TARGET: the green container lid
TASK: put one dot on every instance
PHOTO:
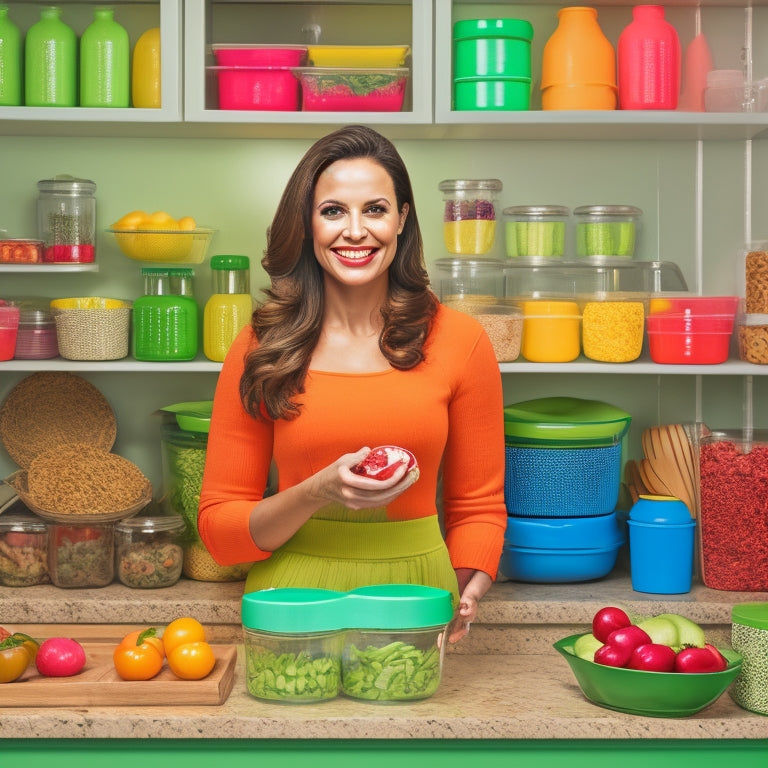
(193, 416)
(227, 262)
(292, 610)
(471, 28)
(558, 422)
(751, 615)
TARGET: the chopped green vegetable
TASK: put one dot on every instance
(289, 676)
(359, 84)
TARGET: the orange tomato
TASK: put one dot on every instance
(139, 656)
(181, 631)
(192, 661)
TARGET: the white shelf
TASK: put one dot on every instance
(50, 268)
(126, 365)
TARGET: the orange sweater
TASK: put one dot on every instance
(448, 411)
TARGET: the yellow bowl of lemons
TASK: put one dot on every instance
(158, 237)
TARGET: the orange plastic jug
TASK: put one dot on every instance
(578, 69)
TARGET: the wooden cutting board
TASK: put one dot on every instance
(99, 685)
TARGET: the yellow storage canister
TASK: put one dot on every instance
(551, 331)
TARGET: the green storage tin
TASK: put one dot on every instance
(497, 93)
(491, 48)
(749, 637)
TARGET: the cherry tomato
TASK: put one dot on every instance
(181, 631)
(139, 656)
(652, 657)
(60, 657)
(16, 653)
(608, 619)
(192, 661)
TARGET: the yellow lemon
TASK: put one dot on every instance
(159, 220)
(132, 220)
(187, 223)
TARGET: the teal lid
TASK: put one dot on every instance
(751, 615)
(564, 421)
(193, 416)
(230, 262)
(399, 606)
(470, 28)
(292, 610)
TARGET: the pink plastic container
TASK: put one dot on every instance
(9, 328)
(259, 55)
(261, 88)
(648, 61)
(338, 89)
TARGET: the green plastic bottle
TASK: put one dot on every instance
(50, 61)
(105, 51)
(11, 56)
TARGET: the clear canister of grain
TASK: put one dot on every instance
(612, 331)
(535, 231)
(469, 215)
(184, 436)
(475, 281)
(81, 555)
(752, 330)
(165, 318)
(606, 231)
(756, 280)
(551, 331)
(149, 551)
(23, 550)
(66, 219)
(749, 637)
(503, 323)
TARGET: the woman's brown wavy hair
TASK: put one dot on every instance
(288, 323)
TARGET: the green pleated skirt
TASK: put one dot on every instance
(343, 555)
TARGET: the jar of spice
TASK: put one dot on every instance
(81, 555)
(66, 219)
(749, 637)
(148, 551)
(23, 551)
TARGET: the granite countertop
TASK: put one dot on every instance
(504, 681)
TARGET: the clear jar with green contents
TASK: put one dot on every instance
(469, 215)
(535, 231)
(607, 231)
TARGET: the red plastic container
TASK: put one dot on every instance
(337, 89)
(9, 328)
(259, 55)
(688, 339)
(259, 88)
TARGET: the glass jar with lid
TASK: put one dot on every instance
(81, 555)
(66, 219)
(535, 231)
(149, 551)
(36, 338)
(23, 550)
(471, 281)
(606, 231)
(469, 215)
(165, 318)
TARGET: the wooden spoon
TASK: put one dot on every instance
(684, 449)
(652, 481)
(677, 451)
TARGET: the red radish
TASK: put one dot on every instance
(382, 462)
(60, 657)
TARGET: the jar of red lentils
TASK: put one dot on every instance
(733, 512)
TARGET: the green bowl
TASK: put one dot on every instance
(652, 694)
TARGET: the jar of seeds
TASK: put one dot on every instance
(66, 219)
(749, 637)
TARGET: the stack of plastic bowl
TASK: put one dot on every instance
(492, 64)
(561, 488)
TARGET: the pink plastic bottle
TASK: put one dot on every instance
(648, 61)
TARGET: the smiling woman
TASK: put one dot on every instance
(350, 349)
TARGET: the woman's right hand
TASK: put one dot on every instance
(338, 483)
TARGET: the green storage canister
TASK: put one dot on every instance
(492, 48)
(105, 53)
(50, 62)
(11, 60)
(749, 637)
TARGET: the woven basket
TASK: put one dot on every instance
(92, 328)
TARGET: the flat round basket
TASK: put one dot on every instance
(52, 409)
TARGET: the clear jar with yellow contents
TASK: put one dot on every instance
(469, 215)
(612, 330)
(551, 331)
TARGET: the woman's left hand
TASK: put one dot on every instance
(471, 594)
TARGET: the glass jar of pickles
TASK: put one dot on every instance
(469, 215)
(149, 551)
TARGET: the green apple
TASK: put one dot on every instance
(585, 646)
(674, 630)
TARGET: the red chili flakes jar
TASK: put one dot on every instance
(734, 511)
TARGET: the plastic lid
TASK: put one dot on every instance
(230, 262)
(493, 28)
(751, 615)
(193, 416)
(151, 524)
(170, 271)
(398, 606)
(64, 183)
(461, 185)
(537, 210)
(607, 210)
(468, 266)
(292, 610)
(660, 510)
(22, 524)
(565, 421)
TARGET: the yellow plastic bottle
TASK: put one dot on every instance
(229, 308)
(145, 72)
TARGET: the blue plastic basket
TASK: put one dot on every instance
(562, 482)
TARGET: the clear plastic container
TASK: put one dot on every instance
(535, 231)
(470, 281)
(23, 550)
(149, 551)
(612, 331)
(81, 555)
(752, 333)
(756, 279)
(606, 231)
(551, 331)
(469, 215)
(502, 322)
(66, 219)
(165, 318)
(36, 338)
